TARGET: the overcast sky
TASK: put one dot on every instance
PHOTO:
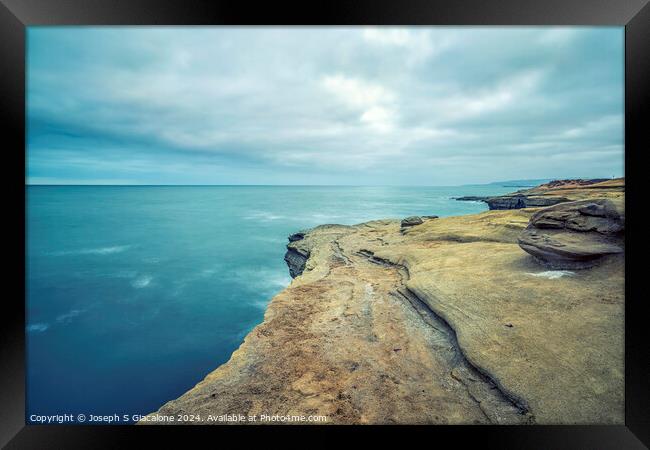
(409, 106)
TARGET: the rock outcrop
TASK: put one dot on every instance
(518, 201)
(572, 183)
(575, 235)
(515, 201)
(553, 193)
(471, 198)
(296, 256)
(411, 221)
(296, 261)
(450, 322)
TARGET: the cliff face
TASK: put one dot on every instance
(447, 321)
(555, 192)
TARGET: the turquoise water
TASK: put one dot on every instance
(134, 294)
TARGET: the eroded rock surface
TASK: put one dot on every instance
(446, 322)
(523, 201)
(554, 192)
(575, 235)
(411, 221)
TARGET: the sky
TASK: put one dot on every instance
(323, 105)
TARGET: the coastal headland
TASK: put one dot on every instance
(511, 316)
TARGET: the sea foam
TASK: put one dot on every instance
(94, 251)
(553, 274)
(67, 317)
(142, 282)
(38, 327)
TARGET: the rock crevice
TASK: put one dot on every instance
(431, 318)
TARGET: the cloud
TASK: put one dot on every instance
(323, 105)
(389, 36)
(357, 93)
(417, 44)
(512, 89)
(610, 124)
(379, 118)
(558, 36)
(372, 100)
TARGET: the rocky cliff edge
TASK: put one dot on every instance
(439, 320)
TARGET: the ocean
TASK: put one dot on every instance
(135, 293)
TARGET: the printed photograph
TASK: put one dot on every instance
(325, 225)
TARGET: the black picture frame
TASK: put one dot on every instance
(16, 15)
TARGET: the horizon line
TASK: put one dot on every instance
(261, 185)
(318, 185)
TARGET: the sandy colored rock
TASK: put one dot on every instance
(575, 235)
(555, 192)
(446, 322)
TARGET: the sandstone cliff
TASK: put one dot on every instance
(441, 321)
(555, 192)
